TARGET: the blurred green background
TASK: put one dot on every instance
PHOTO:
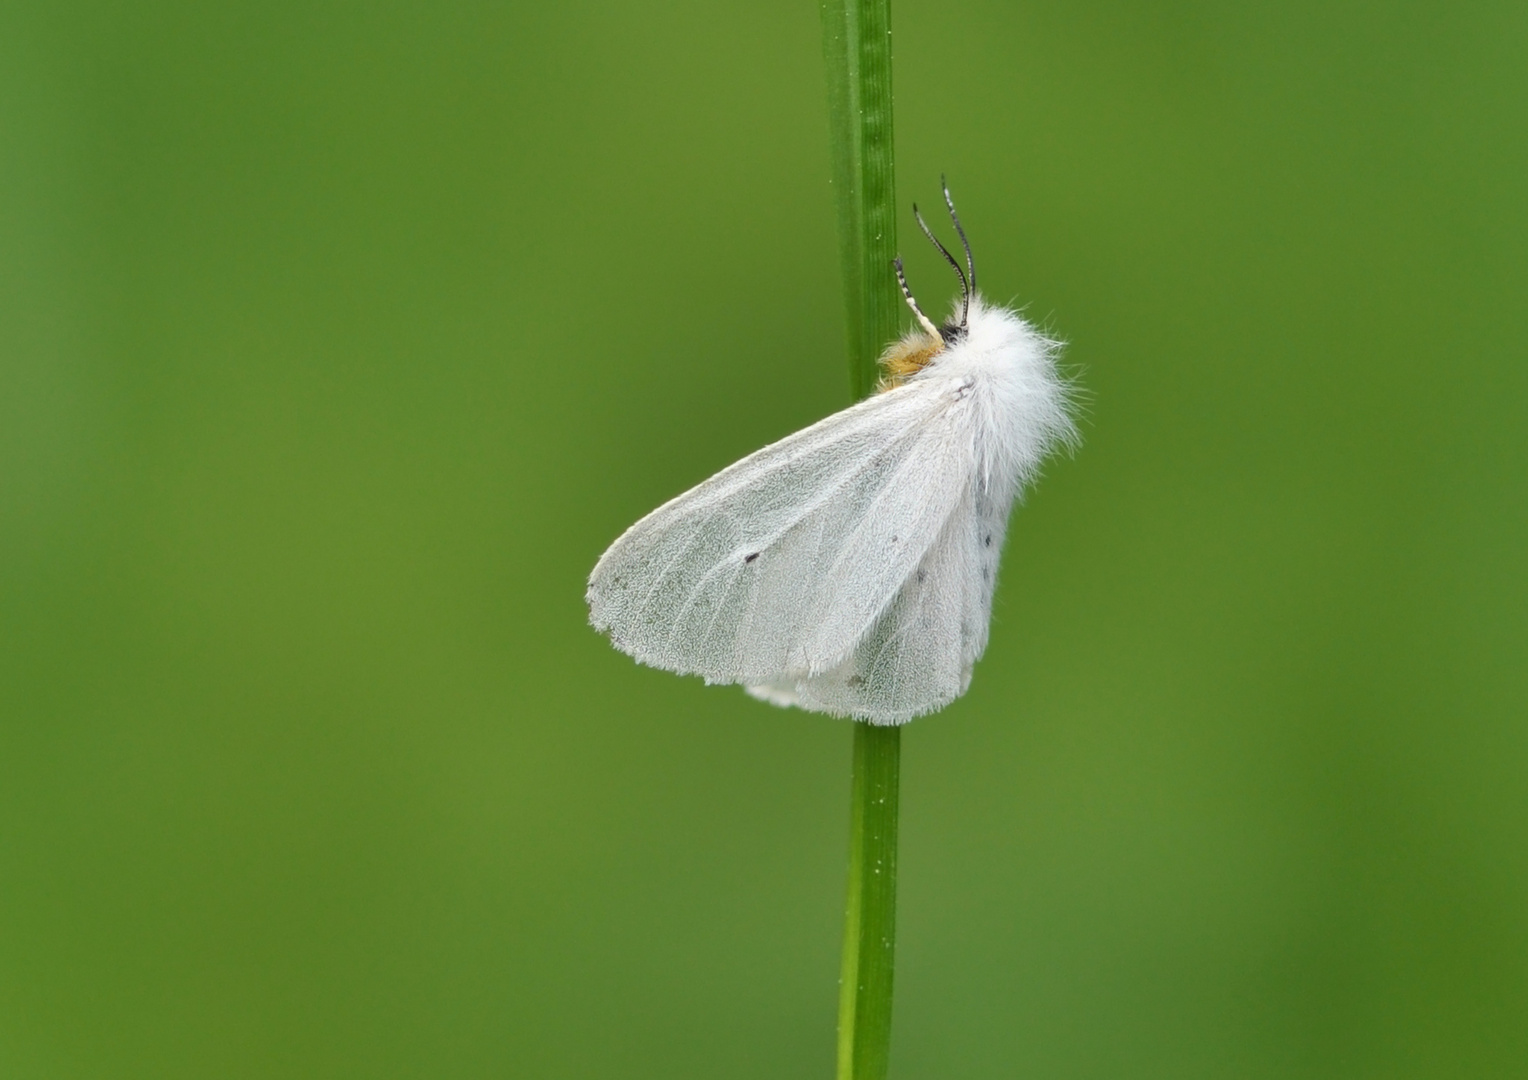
(338, 340)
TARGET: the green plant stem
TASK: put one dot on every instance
(870, 919)
(856, 36)
(856, 39)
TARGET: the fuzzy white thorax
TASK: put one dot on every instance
(1023, 405)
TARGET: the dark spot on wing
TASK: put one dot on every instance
(750, 558)
(987, 540)
(855, 680)
(921, 575)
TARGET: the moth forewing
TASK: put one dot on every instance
(781, 563)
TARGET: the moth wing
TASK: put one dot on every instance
(784, 560)
(918, 656)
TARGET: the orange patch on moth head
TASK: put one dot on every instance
(907, 357)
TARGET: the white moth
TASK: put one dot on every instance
(848, 568)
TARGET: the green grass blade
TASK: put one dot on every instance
(856, 39)
(870, 920)
(856, 36)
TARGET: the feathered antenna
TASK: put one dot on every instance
(965, 289)
(970, 263)
(926, 322)
(967, 276)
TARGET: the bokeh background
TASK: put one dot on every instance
(337, 340)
